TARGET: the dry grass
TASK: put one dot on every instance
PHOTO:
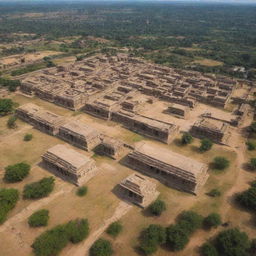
(208, 62)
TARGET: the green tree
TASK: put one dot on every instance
(28, 137)
(206, 145)
(16, 172)
(11, 122)
(101, 247)
(157, 207)
(214, 193)
(213, 220)
(114, 229)
(39, 218)
(190, 221)
(186, 138)
(6, 107)
(220, 163)
(81, 191)
(252, 127)
(208, 249)
(232, 242)
(251, 145)
(247, 199)
(253, 163)
(77, 230)
(39, 189)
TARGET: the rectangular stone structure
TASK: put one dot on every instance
(69, 164)
(172, 169)
(80, 135)
(138, 190)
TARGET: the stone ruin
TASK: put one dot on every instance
(172, 169)
(138, 190)
(217, 131)
(179, 111)
(69, 164)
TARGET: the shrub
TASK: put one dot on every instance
(214, 193)
(213, 220)
(16, 172)
(232, 242)
(82, 191)
(39, 218)
(177, 238)
(251, 145)
(206, 145)
(157, 207)
(248, 199)
(39, 189)
(77, 230)
(190, 221)
(253, 247)
(253, 183)
(114, 229)
(252, 127)
(101, 247)
(6, 106)
(28, 137)
(253, 163)
(8, 200)
(186, 138)
(11, 123)
(220, 163)
(208, 250)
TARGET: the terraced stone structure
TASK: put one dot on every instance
(69, 164)
(40, 118)
(80, 135)
(138, 190)
(172, 169)
(178, 111)
(214, 130)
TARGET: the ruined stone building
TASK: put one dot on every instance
(179, 111)
(214, 130)
(172, 169)
(80, 135)
(40, 118)
(138, 190)
(69, 164)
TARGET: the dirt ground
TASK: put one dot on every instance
(100, 205)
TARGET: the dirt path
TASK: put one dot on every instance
(83, 248)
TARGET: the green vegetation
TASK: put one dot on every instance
(253, 163)
(114, 229)
(52, 241)
(11, 123)
(16, 172)
(247, 198)
(220, 163)
(39, 218)
(208, 249)
(213, 220)
(251, 145)
(39, 189)
(6, 107)
(8, 200)
(28, 137)
(28, 68)
(214, 193)
(101, 247)
(11, 84)
(82, 191)
(157, 207)
(206, 145)
(186, 138)
(152, 237)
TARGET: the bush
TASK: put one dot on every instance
(77, 230)
(253, 247)
(39, 189)
(6, 106)
(232, 242)
(157, 207)
(177, 238)
(220, 163)
(251, 145)
(101, 247)
(51, 242)
(82, 191)
(253, 163)
(11, 123)
(39, 218)
(214, 193)
(247, 199)
(206, 145)
(208, 250)
(8, 200)
(114, 229)
(186, 138)
(16, 172)
(28, 137)
(252, 127)
(190, 221)
(213, 220)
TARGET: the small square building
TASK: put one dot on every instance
(69, 164)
